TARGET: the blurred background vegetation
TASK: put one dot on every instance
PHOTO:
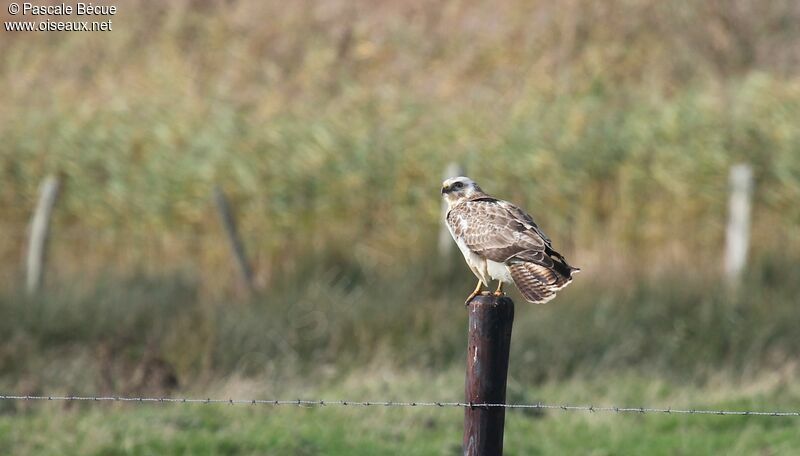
(329, 125)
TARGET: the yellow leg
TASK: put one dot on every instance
(499, 290)
(474, 293)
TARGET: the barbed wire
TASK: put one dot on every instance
(345, 403)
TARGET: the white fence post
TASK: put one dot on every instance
(39, 232)
(737, 237)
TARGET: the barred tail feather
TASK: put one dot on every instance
(537, 283)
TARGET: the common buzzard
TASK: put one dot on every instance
(502, 242)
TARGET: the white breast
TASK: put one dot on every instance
(476, 264)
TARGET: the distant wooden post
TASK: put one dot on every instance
(737, 237)
(490, 321)
(234, 241)
(446, 243)
(39, 233)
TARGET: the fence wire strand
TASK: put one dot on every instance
(345, 403)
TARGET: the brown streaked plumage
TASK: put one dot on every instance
(502, 242)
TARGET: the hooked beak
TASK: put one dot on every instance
(444, 190)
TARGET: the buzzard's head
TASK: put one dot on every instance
(459, 188)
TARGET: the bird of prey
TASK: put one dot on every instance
(502, 242)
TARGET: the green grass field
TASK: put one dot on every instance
(121, 429)
(649, 344)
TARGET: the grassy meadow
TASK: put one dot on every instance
(329, 125)
(655, 344)
(55, 429)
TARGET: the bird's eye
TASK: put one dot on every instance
(458, 185)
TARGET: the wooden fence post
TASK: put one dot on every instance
(234, 241)
(39, 233)
(490, 321)
(737, 236)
